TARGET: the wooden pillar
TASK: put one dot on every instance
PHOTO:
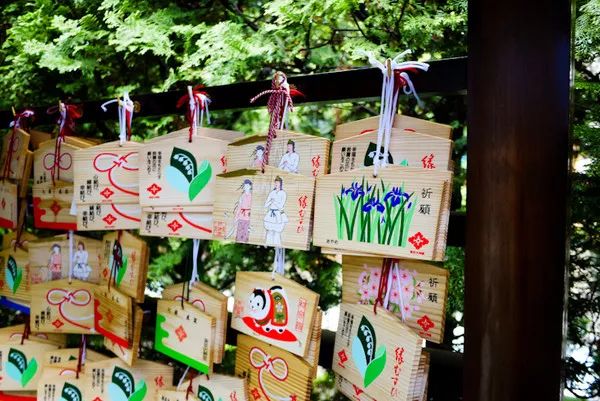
(518, 148)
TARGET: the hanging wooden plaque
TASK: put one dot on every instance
(21, 365)
(419, 289)
(113, 380)
(292, 152)
(131, 276)
(129, 354)
(52, 207)
(15, 274)
(273, 208)
(8, 205)
(45, 161)
(410, 149)
(107, 173)
(376, 353)
(272, 373)
(18, 148)
(113, 315)
(13, 335)
(401, 122)
(60, 307)
(113, 216)
(275, 309)
(314, 348)
(402, 213)
(176, 172)
(212, 388)
(183, 224)
(209, 301)
(185, 334)
(49, 259)
(60, 384)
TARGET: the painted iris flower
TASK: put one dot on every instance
(373, 203)
(396, 196)
(355, 191)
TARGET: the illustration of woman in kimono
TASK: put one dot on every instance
(81, 268)
(275, 218)
(289, 161)
(55, 262)
(258, 156)
(242, 213)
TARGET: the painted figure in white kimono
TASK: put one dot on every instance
(289, 161)
(275, 218)
(81, 268)
(258, 156)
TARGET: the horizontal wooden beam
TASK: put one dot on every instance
(447, 76)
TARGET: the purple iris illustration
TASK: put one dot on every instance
(355, 191)
(396, 195)
(373, 203)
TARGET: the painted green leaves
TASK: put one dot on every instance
(369, 360)
(186, 175)
(19, 369)
(123, 388)
(13, 274)
(70, 393)
(205, 394)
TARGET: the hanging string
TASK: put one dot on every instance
(383, 283)
(15, 124)
(68, 113)
(194, 277)
(394, 272)
(190, 389)
(280, 101)
(82, 354)
(125, 109)
(26, 331)
(117, 262)
(70, 235)
(395, 76)
(197, 104)
(278, 262)
(187, 368)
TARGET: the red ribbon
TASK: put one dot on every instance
(383, 282)
(190, 114)
(68, 113)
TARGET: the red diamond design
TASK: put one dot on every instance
(255, 393)
(57, 323)
(159, 381)
(181, 334)
(97, 399)
(107, 192)
(343, 358)
(3, 203)
(425, 322)
(154, 189)
(174, 225)
(105, 272)
(109, 219)
(55, 207)
(418, 240)
(109, 316)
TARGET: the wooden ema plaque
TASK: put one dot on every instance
(8, 204)
(402, 213)
(112, 380)
(176, 172)
(60, 384)
(113, 315)
(292, 152)
(13, 335)
(212, 388)
(401, 122)
(129, 354)
(19, 149)
(209, 301)
(15, 274)
(52, 199)
(376, 353)
(186, 334)
(418, 288)
(273, 208)
(272, 373)
(275, 309)
(410, 149)
(314, 348)
(113, 216)
(60, 307)
(131, 276)
(182, 224)
(21, 365)
(49, 259)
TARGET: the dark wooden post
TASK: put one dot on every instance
(518, 116)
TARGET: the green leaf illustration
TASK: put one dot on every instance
(204, 394)
(140, 392)
(185, 162)
(366, 335)
(14, 274)
(18, 359)
(376, 367)
(124, 380)
(121, 272)
(200, 180)
(30, 372)
(70, 393)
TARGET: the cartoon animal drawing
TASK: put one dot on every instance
(269, 308)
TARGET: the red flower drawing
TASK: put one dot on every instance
(418, 240)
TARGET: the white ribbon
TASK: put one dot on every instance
(198, 103)
(24, 114)
(278, 262)
(62, 110)
(124, 106)
(187, 368)
(195, 276)
(71, 232)
(389, 100)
